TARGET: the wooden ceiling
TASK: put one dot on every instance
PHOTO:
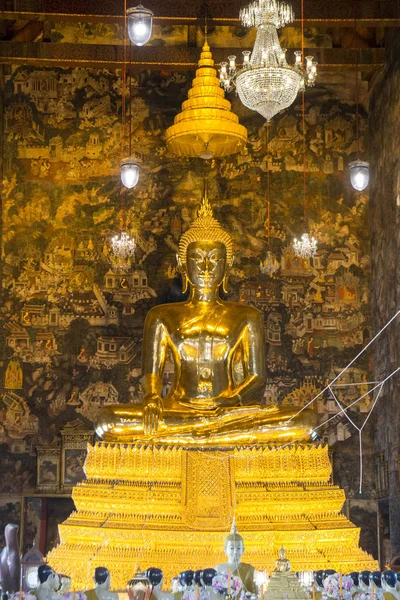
(25, 31)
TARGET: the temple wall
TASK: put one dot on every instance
(385, 291)
(72, 329)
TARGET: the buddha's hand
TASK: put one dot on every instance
(152, 411)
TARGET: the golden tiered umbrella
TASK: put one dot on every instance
(206, 127)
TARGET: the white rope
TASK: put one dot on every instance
(359, 429)
(348, 366)
(376, 385)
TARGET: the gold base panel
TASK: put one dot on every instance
(170, 507)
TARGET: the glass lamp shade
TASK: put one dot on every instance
(129, 172)
(139, 587)
(30, 563)
(359, 174)
(140, 24)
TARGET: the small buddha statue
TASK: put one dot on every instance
(375, 580)
(390, 585)
(102, 584)
(356, 582)
(206, 578)
(156, 578)
(282, 564)
(209, 403)
(319, 580)
(364, 581)
(49, 583)
(284, 583)
(185, 582)
(234, 550)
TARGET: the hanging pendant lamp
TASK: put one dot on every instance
(359, 169)
(206, 127)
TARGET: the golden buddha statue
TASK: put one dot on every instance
(283, 583)
(282, 564)
(210, 341)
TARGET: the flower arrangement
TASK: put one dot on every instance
(23, 595)
(70, 596)
(190, 594)
(220, 585)
(332, 586)
(368, 596)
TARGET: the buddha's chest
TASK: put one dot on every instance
(210, 344)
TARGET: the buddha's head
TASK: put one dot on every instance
(356, 578)
(364, 580)
(155, 576)
(102, 577)
(389, 580)
(47, 577)
(375, 578)
(205, 251)
(186, 578)
(207, 575)
(234, 545)
(282, 553)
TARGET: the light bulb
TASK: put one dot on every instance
(232, 62)
(298, 54)
(129, 172)
(246, 57)
(359, 174)
(140, 23)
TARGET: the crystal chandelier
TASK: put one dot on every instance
(267, 83)
(306, 247)
(269, 265)
(122, 251)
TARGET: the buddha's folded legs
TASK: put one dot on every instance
(241, 425)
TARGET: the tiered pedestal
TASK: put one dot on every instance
(171, 508)
(285, 586)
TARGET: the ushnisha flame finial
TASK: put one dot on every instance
(234, 529)
(205, 209)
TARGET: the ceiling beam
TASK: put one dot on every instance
(333, 13)
(173, 58)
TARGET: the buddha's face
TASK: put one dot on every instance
(205, 264)
(234, 550)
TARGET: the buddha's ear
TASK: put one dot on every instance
(182, 271)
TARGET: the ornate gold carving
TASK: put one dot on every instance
(172, 507)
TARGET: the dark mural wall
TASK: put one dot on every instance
(72, 327)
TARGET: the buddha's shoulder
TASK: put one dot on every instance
(246, 566)
(244, 309)
(160, 310)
